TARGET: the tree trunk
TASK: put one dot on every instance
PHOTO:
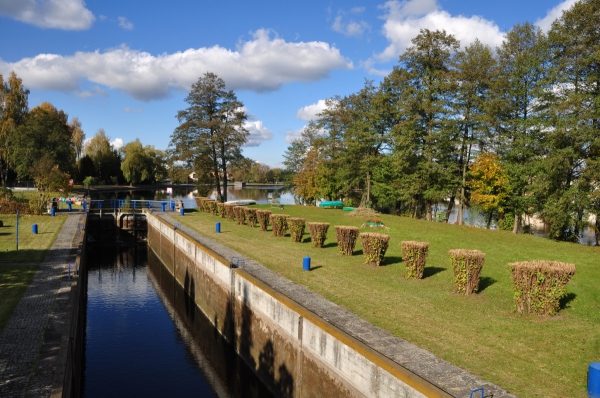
(450, 207)
(368, 187)
(428, 210)
(597, 229)
(517, 224)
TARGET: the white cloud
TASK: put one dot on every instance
(117, 143)
(350, 28)
(554, 13)
(262, 64)
(95, 91)
(310, 112)
(125, 23)
(404, 20)
(291, 136)
(55, 14)
(132, 110)
(258, 133)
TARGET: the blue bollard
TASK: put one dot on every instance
(148, 204)
(52, 211)
(181, 211)
(218, 227)
(306, 264)
(100, 205)
(69, 204)
(163, 204)
(172, 206)
(34, 229)
(594, 380)
(83, 204)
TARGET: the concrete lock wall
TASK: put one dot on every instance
(295, 352)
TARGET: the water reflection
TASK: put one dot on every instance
(144, 339)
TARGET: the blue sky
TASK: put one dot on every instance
(126, 66)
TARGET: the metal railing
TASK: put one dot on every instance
(131, 205)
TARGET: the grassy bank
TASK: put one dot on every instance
(17, 268)
(530, 356)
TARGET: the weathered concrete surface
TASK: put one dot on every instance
(30, 345)
(299, 342)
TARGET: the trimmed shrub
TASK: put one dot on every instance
(250, 215)
(318, 232)
(200, 203)
(279, 224)
(11, 207)
(263, 218)
(346, 238)
(296, 227)
(374, 247)
(240, 217)
(467, 265)
(230, 211)
(539, 285)
(414, 255)
(221, 209)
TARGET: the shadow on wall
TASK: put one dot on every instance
(281, 381)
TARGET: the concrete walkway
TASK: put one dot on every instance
(27, 348)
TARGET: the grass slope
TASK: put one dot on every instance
(17, 268)
(529, 356)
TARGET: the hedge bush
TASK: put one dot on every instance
(263, 218)
(11, 207)
(221, 210)
(539, 285)
(414, 255)
(374, 247)
(200, 203)
(467, 265)
(240, 216)
(230, 211)
(296, 227)
(346, 238)
(279, 224)
(318, 233)
(250, 215)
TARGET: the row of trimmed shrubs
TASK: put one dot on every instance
(539, 285)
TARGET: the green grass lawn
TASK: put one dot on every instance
(528, 355)
(18, 267)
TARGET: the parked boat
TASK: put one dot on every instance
(332, 204)
(241, 202)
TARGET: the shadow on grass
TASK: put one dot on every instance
(566, 300)
(315, 267)
(390, 260)
(485, 282)
(330, 244)
(431, 271)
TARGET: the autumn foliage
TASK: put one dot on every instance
(279, 224)
(263, 218)
(296, 227)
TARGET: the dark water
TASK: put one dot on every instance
(146, 338)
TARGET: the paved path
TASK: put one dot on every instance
(26, 369)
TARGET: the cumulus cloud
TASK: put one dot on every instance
(404, 20)
(554, 13)
(117, 143)
(125, 23)
(95, 91)
(294, 135)
(310, 112)
(262, 64)
(132, 110)
(258, 133)
(54, 14)
(350, 27)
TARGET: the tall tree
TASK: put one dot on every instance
(568, 176)
(77, 137)
(522, 66)
(13, 110)
(136, 165)
(210, 134)
(474, 69)
(45, 131)
(107, 162)
(423, 133)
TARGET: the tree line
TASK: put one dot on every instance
(512, 131)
